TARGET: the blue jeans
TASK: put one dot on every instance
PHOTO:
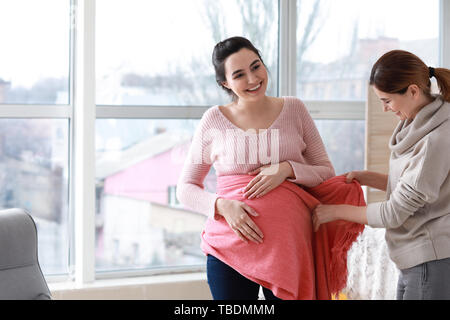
(426, 281)
(226, 283)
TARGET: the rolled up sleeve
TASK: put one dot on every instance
(373, 215)
(419, 185)
(404, 201)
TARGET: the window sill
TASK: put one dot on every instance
(186, 286)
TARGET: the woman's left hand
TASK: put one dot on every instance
(267, 178)
(327, 213)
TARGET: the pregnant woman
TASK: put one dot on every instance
(266, 151)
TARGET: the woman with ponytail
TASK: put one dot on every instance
(416, 212)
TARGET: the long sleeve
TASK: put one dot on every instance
(317, 167)
(190, 189)
(419, 185)
(218, 141)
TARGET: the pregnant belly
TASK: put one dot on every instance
(283, 218)
(284, 262)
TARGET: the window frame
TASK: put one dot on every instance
(82, 112)
(348, 110)
(56, 111)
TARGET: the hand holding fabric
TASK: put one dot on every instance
(327, 213)
(368, 178)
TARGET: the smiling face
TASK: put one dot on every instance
(246, 75)
(406, 105)
(393, 102)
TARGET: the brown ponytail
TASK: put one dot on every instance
(442, 76)
(396, 70)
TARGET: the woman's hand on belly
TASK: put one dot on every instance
(267, 178)
(236, 213)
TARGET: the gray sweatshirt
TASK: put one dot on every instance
(416, 214)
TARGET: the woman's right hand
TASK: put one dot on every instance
(357, 175)
(368, 178)
(236, 213)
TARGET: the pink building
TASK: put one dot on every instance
(139, 220)
(149, 171)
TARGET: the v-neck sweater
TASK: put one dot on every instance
(217, 142)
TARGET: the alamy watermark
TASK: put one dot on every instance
(235, 147)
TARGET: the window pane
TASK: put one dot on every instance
(34, 57)
(140, 223)
(344, 141)
(160, 52)
(339, 41)
(34, 176)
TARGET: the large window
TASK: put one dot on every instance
(160, 52)
(337, 44)
(339, 41)
(34, 176)
(344, 141)
(160, 55)
(153, 81)
(140, 223)
(34, 58)
(35, 121)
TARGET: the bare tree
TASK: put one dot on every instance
(258, 23)
(307, 34)
(214, 19)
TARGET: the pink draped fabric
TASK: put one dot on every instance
(293, 261)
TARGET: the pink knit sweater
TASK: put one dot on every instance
(217, 142)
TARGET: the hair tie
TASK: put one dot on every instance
(431, 71)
